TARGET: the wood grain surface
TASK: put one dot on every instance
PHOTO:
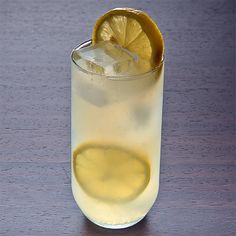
(198, 166)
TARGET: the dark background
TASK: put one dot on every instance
(198, 166)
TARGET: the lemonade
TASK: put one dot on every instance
(116, 119)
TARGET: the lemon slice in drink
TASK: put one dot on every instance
(110, 173)
(134, 30)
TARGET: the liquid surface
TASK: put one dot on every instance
(110, 173)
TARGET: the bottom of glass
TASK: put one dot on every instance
(116, 226)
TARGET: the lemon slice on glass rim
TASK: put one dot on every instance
(133, 30)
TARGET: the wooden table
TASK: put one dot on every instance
(198, 175)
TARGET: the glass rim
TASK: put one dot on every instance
(113, 77)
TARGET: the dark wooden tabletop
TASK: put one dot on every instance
(198, 166)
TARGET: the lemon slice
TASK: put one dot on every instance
(134, 30)
(110, 173)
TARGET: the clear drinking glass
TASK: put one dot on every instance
(116, 143)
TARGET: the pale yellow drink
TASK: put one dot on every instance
(116, 140)
(117, 92)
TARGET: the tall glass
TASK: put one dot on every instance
(116, 143)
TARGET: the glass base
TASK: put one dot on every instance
(116, 226)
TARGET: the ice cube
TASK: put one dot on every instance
(106, 58)
(141, 114)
